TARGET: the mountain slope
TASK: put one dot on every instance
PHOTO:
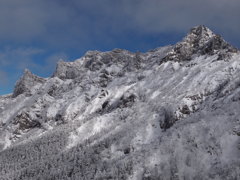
(170, 113)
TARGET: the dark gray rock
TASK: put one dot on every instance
(26, 83)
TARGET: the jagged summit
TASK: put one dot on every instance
(26, 83)
(199, 35)
(200, 41)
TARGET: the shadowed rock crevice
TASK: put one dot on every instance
(25, 122)
(125, 101)
(166, 118)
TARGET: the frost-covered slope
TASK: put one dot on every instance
(170, 113)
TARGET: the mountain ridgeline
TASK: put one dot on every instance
(171, 113)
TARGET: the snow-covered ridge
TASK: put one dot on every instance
(202, 41)
(26, 83)
(170, 113)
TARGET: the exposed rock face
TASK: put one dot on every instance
(26, 83)
(170, 113)
(200, 40)
(25, 121)
(66, 70)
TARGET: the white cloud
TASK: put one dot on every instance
(18, 58)
(21, 58)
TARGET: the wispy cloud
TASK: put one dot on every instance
(14, 60)
(18, 58)
(21, 58)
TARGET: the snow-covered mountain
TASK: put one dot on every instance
(170, 113)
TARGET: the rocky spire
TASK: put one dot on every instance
(26, 83)
(198, 36)
(200, 40)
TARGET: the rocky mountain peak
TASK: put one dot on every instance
(26, 83)
(201, 29)
(198, 36)
(201, 41)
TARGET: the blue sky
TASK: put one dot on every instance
(35, 34)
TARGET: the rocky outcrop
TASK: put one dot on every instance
(25, 122)
(66, 70)
(199, 41)
(26, 83)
